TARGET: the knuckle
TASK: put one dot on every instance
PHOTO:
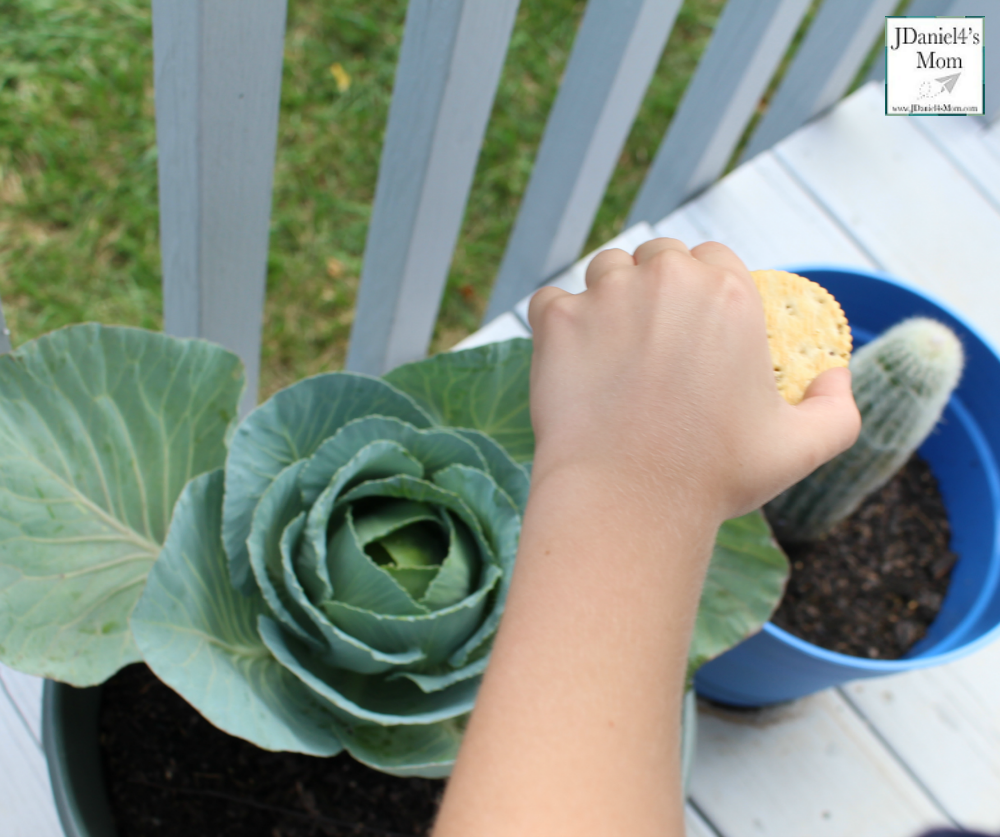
(613, 281)
(612, 254)
(668, 261)
(709, 247)
(657, 245)
(619, 276)
(536, 307)
(735, 283)
(551, 311)
(736, 288)
(604, 262)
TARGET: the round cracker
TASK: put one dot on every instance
(807, 331)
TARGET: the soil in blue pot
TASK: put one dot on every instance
(170, 773)
(873, 585)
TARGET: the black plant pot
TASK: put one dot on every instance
(70, 739)
(70, 730)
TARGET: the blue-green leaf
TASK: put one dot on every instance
(417, 546)
(493, 508)
(414, 580)
(100, 428)
(407, 488)
(502, 525)
(290, 427)
(376, 460)
(485, 388)
(427, 751)
(360, 582)
(355, 697)
(281, 507)
(435, 448)
(435, 682)
(455, 578)
(390, 516)
(200, 637)
(746, 579)
(511, 477)
(337, 648)
(437, 634)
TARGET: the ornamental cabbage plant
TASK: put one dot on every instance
(335, 566)
(350, 565)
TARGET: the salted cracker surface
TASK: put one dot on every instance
(807, 331)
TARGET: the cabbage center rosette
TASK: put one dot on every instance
(341, 584)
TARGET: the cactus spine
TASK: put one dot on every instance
(901, 381)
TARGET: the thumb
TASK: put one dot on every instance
(827, 421)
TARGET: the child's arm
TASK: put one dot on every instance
(656, 418)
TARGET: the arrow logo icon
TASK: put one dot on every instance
(948, 82)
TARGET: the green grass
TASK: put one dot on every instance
(78, 214)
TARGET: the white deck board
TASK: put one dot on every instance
(812, 768)
(905, 203)
(992, 137)
(695, 825)
(944, 723)
(963, 142)
(26, 806)
(767, 219)
(503, 327)
(25, 693)
(680, 225)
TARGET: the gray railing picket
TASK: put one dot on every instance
(218, 81)
(833, 51)
(614, 56)
(218, 84)
(449, 66)
(750, 39)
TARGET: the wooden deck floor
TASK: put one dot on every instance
(919, 198)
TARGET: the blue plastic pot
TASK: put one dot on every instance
(962, 451)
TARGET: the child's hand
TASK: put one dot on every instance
(657, 384)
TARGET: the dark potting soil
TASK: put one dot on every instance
(170, 773)
(874, 584)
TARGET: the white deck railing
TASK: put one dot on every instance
(218, 80)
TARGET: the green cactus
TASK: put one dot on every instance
(902, 381)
